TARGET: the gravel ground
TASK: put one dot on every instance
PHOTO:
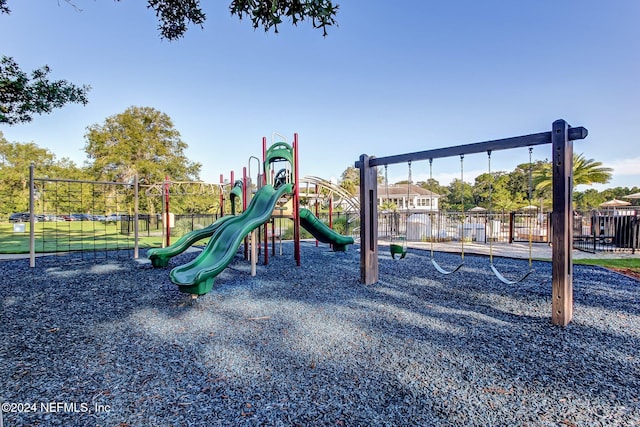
(114, 343)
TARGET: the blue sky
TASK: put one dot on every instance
(393, 77)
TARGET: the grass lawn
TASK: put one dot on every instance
(94, 235)
(630, 266)
(70, 236)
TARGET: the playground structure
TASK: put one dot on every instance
(102, 220)
(560, 137)
(274, 191)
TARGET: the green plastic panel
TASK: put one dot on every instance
(322, 232)
(160, 256)
(197, 276)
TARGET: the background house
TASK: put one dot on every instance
(413, 198)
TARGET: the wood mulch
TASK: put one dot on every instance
(631, 272)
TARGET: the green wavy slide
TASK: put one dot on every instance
(322, 232)
(197, 277)
(160, 256)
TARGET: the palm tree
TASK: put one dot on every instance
(585, 171)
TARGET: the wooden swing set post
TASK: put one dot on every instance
(368, 221)
(561, 138)
(562, 225)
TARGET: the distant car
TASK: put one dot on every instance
(81, 217)
(113, 218)
(51, 217)
(101, 218)
(20, 217)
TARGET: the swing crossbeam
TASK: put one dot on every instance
(542, 138)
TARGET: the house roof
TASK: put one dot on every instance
(401, 190)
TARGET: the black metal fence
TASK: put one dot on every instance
(153, 225)
(610, 230)
(594, 231)
(477, 226)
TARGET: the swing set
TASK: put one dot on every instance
(560, 137)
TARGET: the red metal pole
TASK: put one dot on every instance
(273, 236)
(244, 188)
(316, 208)
(233, 208)
(244, 204)
(221, 195)
(264, 158)
(331, 212)
(264, 174)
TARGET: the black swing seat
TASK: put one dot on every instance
(442, 270)
(396, 249)
(507, 281)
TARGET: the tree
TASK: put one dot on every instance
(460, 195)
(175, 16)
(483, 189)
(15, 160)
(588, 199)
(350, 180)
(269, 13)
(14, 172)
(22, 95)
(585, 171)
(141, 141)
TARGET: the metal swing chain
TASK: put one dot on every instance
(406, 219)
(530, 198)
(431, 238)
(386, 183)
(409, 186)
(490, 210)
(462, 205)
(493, 268)
(386, 186)
(433, 260)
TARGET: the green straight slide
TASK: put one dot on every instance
(196, 277)
(160, 256)
(322, 232)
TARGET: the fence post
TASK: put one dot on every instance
(634, 230)
(594, 223)
(512, 220)
(136, 216)
(32, 216)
